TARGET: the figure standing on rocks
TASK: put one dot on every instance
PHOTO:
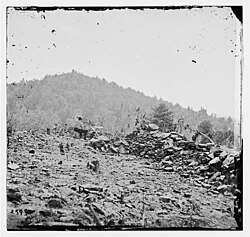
(180, 125)
(80, 128)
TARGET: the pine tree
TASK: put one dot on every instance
(162, 117)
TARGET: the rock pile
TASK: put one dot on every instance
(211, 166)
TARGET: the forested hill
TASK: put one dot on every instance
(58, 98)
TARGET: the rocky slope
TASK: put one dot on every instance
(147, 180)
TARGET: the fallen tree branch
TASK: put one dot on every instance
(226, 140)
(204, 135)
(98, 222)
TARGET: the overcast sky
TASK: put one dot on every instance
(190, 57)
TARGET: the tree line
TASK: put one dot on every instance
(57, 99)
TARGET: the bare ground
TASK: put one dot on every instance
(50, 190)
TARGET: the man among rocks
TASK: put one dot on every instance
(81, 128)
(180, 125)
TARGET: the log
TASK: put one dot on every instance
(206, 137)
(98, 222)
(226, 140)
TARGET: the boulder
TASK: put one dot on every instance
(175, 136)
(228, 161)
(162, 135)
(222, 188)
(113, 149)
(223, 155)
(93, 140)
(222, 178)
(175, 148)
(166, 164)
(214, 161)
(211, 155)
(217, 153)
(55, 203)
(152, 126)
(187, 195)
(103, 138)
(169, 169)
(13, 166)
(205, 185)
(202, 145)
(217, 174)
(193, 163)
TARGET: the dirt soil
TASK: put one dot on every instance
(47, 190)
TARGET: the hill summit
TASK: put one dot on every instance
(58, 98)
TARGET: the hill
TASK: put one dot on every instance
(58, 98)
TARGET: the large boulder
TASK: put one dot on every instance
(55, 203)
(162, 135)
(228, 161)
(103, 138)
(153, 127)
(215, 161)
(222, 188)
(223, 155)
(94, 140)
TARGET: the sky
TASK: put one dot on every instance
(191, 57)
